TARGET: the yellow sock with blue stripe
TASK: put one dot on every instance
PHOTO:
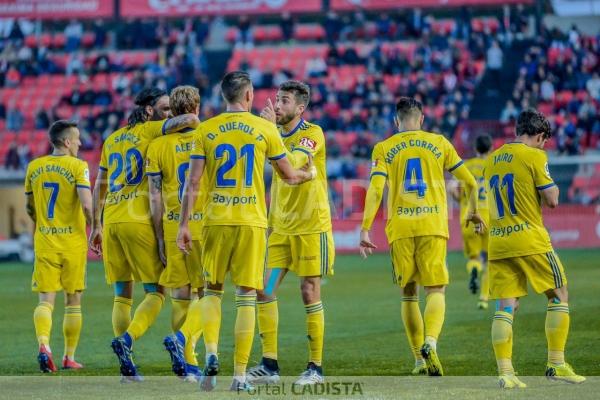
(315, 328)
(72, 329)
(435, 310)
(413, 325)
(192, 330)
(502, 341)
(244, 331)
(210, 306)
(180, 309)
(121, 315)
(42, 320)
(145, 314)
(474, 264)
(268, 321)
(557, 330)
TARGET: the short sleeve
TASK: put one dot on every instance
(154, 129)
(451, 158)
(152, 161)
(541, 173)
(28, 189)
(310, 142)
(198, 148)
(275, 148)
(103, 159)
(378, 164)
(82, 179)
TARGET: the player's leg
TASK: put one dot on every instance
(245, 322)
(122, 302)
(72, 329)
(485, 283)
(146, 312)
(180, 303)
(42, 320)
(472, 247)
(413, 325)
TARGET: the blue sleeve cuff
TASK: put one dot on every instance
(303, 150)
(279, 157)
(545, 186)
(153, 173)
(197, 157)
(103, 168)
(379, 173)
(82, 186)
(456, 166)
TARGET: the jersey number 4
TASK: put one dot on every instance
(508, 183)
(413, 177)
(247, 152)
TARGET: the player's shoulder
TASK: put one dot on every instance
(307, 128)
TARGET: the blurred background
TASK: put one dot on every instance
(473, 64)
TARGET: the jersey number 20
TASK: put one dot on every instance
(134, 168)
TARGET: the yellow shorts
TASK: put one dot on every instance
(306, 255)
(239, 250)
(182, 269)
(131, 253)
(474, 244)
(53, 272)
(421, 259)
(509, 276)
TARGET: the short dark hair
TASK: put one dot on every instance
(408, 107)
(233, 84)
(57, 131)
(483, 143)
(146, 97)
(300, 90)
(532, 122)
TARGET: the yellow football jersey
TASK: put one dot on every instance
(53, 182)
(235, 146)
(413, 163)
(123, 155)
(169, 157)
(475, 166)
(513, 175)
(302, 209)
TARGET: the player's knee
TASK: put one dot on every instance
(73, 299)
(123, 289)
(435, 289)
(245, 290)
(411, 289)
(560, 295)
(261, 295)
(152, 288)
(181, 293)
(310, 291)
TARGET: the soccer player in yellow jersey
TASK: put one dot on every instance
(231, 150)
(518, 184)
(475, 244)
(301, 240)
(121, 204)
(412, 163)
(167, 165)
(59, 202)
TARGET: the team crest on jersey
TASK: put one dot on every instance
(547, 170)
(307, 142)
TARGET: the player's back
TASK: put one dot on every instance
(53, 182)
(236, 146)
(513, 174)
(414, 163)
(302, 209)
(475, 166)
(169, 157)
(123, 158)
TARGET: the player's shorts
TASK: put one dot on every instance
(53, 272)
(420, 259)
(509, 276)
(131, 253)
(182, 269)
(474, 244)
(306, 255)
(239, 250)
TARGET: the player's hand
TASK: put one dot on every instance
(480, 226)
(184, 239)
(366, 245)
(95, 241)
(268, 112)
(161, 252)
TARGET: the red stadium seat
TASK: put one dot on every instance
(31, 41)
(59, 41)
(88, 39)
(231, 34)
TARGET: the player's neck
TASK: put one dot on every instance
(287, 128)
(236, 107)
(526, 140)
(60, 152)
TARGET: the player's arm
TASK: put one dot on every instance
(156, 212)
(456, 190)
(85, 198)
(98, 200)
(550, 196)
(469, 185)
(293, 176)
(379, 174)
(543, 181)
(179, 122)
(188, 201)
(30, 207)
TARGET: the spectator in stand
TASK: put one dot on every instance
(14, 118)
(593, 86)
(75, 64)
(25, 155)
(287, 26)
(509, 113)
(332, 27)
(2, 111)
(73, 35)
(11, 160)
(100, 33)
(42, 121)
(202, 29)
(315, 68)
(245, 36)
(103, 97)
(581, 197)
(13, 77)
(416, 22)
(495, 63)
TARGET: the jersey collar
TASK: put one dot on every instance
(293, 130)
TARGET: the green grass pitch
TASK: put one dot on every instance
(364, 333)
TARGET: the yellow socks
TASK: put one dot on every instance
(180, 309)
(121, 315)
(435, 308)
(315, 327)
(42, 319)
(485, 286)
(502, 341)
(192, 329)
(145, 314)
(413, 325)
(210, 306)
(71, 329)
(473, 264)
(244, 331)
(557, 330)
(268, 321)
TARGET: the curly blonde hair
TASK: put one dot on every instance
(184, 99)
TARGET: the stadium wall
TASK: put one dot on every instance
(13, 217)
